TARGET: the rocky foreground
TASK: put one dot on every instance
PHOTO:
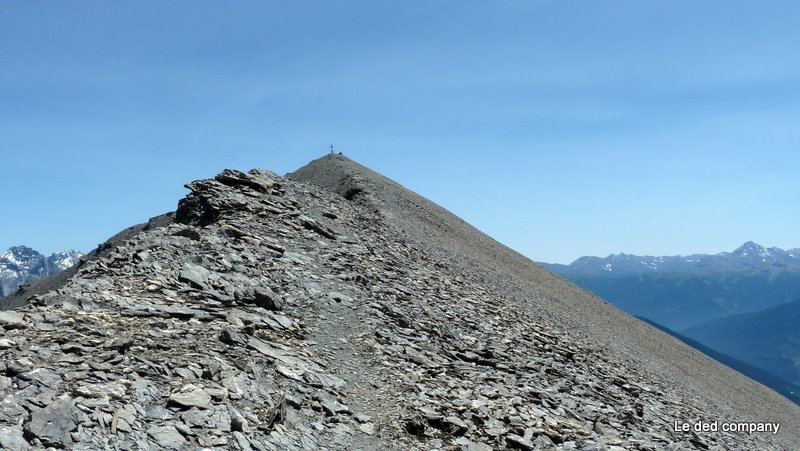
(272, 314)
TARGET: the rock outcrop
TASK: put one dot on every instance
(346, 313)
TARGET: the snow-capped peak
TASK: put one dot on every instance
(20, 256)
(753, 251)
(64, 260)
(21, 264)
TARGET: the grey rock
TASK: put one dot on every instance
(52, 424)
(159, 413)
(184, 313)
(478, 447)
(191, 396)
(238, 421)
(167, 437)
(333, 407)
(195, 417)
(544, 442)
(263, 297)
(262, 182)
(454, 425)
(316, 227)
(43, 376)
(518, 442)
(241, 441)
(11, 439)
(362, 418)
(12, 320)
(188, 232)
(102, 390)
(232, 338)
(18, 366)
(195, 275)
(440, 337)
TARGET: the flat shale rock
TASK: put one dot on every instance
(191, 396)
(194, 275)
(52, 425)
(277, 315)
(102, 390)
(12, 320)
(167, 437)
(11, 439)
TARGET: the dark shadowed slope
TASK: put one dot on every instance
(769, 338)
(784, 387)
(546, 297)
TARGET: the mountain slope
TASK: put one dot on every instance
(347, 314)
(536, 292)
(769, 339)
(20, 265)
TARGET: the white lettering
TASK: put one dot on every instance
(715, 426)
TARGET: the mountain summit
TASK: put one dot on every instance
(333, 308)
(756, 254)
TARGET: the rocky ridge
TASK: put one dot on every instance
(275, 314)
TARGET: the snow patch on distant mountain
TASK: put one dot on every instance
(749, 256)
(21, 264)
(65, 259)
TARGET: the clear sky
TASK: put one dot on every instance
(561, 128)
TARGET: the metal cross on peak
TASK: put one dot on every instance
(331, 147)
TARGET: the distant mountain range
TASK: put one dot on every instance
(749, 256)
(21, 264)
(683, 291)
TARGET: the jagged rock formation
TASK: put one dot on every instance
(20, 265)
(346, 314)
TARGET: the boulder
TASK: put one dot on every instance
(12, 320)
(53, 424)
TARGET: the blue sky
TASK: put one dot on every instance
(560, 128)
